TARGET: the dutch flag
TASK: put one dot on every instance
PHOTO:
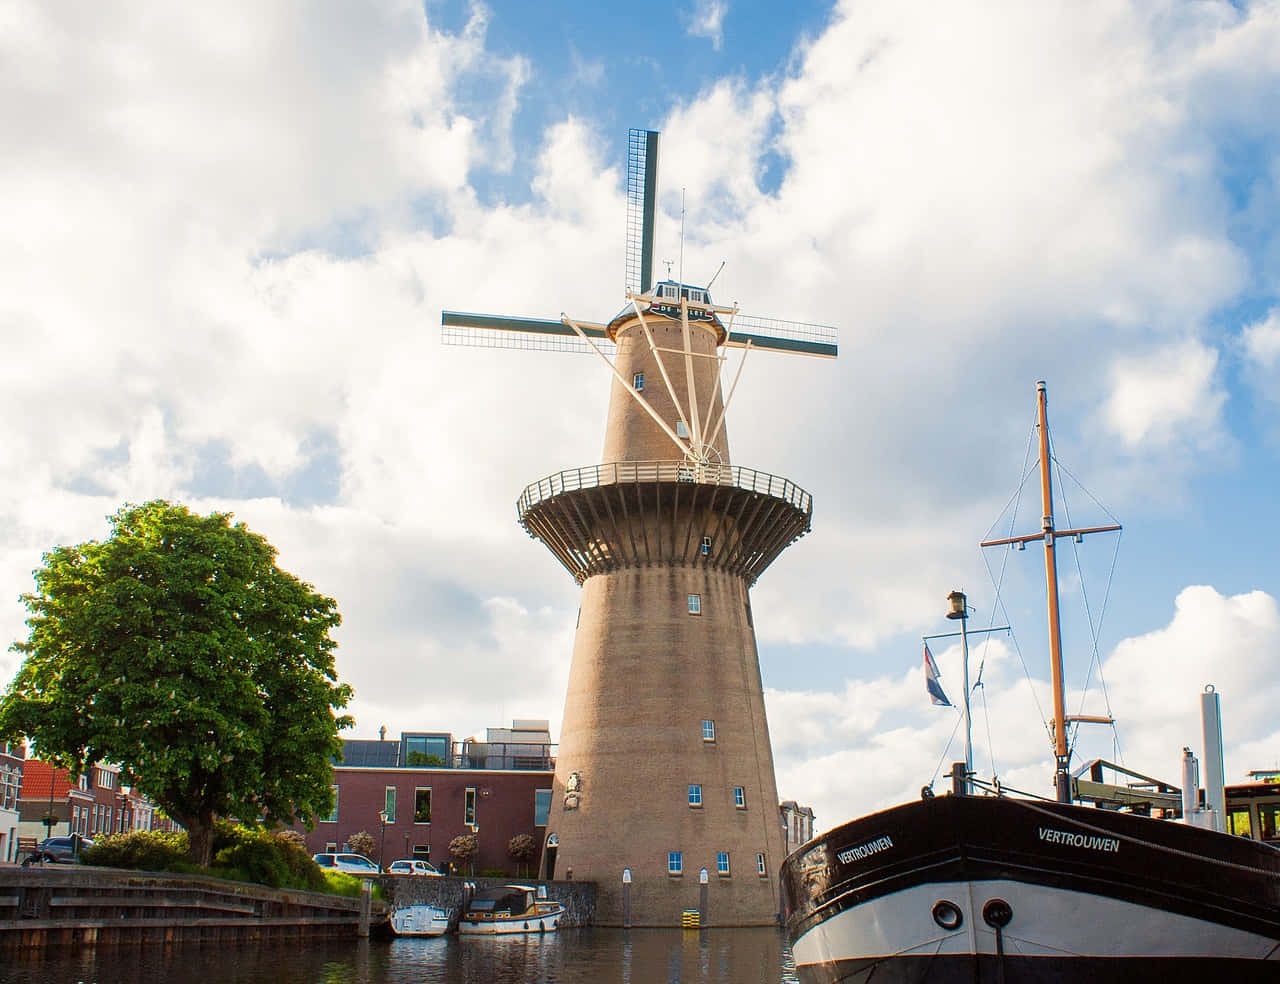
(931, 676)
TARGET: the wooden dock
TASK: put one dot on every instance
(64, 904)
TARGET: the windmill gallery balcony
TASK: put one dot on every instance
(621, 514)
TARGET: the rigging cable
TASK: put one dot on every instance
(959, 718)
(1095, 629)
(998, 583)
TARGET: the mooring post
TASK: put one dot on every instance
(366, 906)
(626, 898)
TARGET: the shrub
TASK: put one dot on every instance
(265, 857)
(340, 883)
(464, 848)
(521, 847)
(138, 850)
(362, 842)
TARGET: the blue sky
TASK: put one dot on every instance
(232, 231)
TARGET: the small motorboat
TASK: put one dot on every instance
(420, 920)
(510, 909)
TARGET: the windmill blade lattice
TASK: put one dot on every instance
(642, 198)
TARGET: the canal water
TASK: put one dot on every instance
(575, 956)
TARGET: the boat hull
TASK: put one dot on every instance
(420, 920)
(544, 921)
(1088, 894)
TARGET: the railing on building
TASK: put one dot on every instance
(519, 756)
(619, 472)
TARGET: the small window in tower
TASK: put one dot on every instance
(708, 731)
(761, 869)
(706, 546)
(675, 863)
(695, 795)
(739, 797)
(682, 429)
(722, 864)
(637, 381)
(695, 604)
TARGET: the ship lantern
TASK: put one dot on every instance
(959, 605)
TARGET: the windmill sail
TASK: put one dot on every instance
(642, 200)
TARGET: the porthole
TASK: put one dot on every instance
(997, 913)
(947, 915)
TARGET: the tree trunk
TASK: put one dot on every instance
(200, 838)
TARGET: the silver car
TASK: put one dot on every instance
(352, 864)
(413, 866)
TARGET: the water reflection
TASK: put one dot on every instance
(716, 956)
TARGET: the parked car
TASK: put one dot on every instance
(58, 850)
(352, 864)
(413, 866)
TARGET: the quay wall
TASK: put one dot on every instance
(61, 905)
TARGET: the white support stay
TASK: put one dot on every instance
(657, 419)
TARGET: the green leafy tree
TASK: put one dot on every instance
(178, 649)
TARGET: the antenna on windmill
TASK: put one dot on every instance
(713, 279)
(682, 235)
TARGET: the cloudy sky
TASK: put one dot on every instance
(230, 231)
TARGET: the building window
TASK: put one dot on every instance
(469, 807)
(722, 864)
(422, 804)
(675, 863)
(330, 847)
(682, 429)
(541, 807)
(695, 604)
(695, 795)
(422, 852)
(708, 731)
(637, 381)
(739, 797)
(761, 870)
(333, 814)
(706, 546)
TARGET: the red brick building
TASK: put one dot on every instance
(495, 789)
(91, 806)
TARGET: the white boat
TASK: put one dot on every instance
(510, 909)
(1018, 890)
(420, 920)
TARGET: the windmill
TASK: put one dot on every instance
(664, 770)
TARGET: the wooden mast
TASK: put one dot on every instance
(1050, 535)
(1061, 778)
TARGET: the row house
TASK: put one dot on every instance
(12, 759)
(53, 804)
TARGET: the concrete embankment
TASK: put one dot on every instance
(59, 905)
(579, 898)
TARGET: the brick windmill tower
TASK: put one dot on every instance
(664, 791)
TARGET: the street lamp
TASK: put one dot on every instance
(382, 844)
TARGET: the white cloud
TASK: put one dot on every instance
(706, 20)
(1167, 396)
(1259, 344)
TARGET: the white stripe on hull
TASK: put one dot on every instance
(1046, 922)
